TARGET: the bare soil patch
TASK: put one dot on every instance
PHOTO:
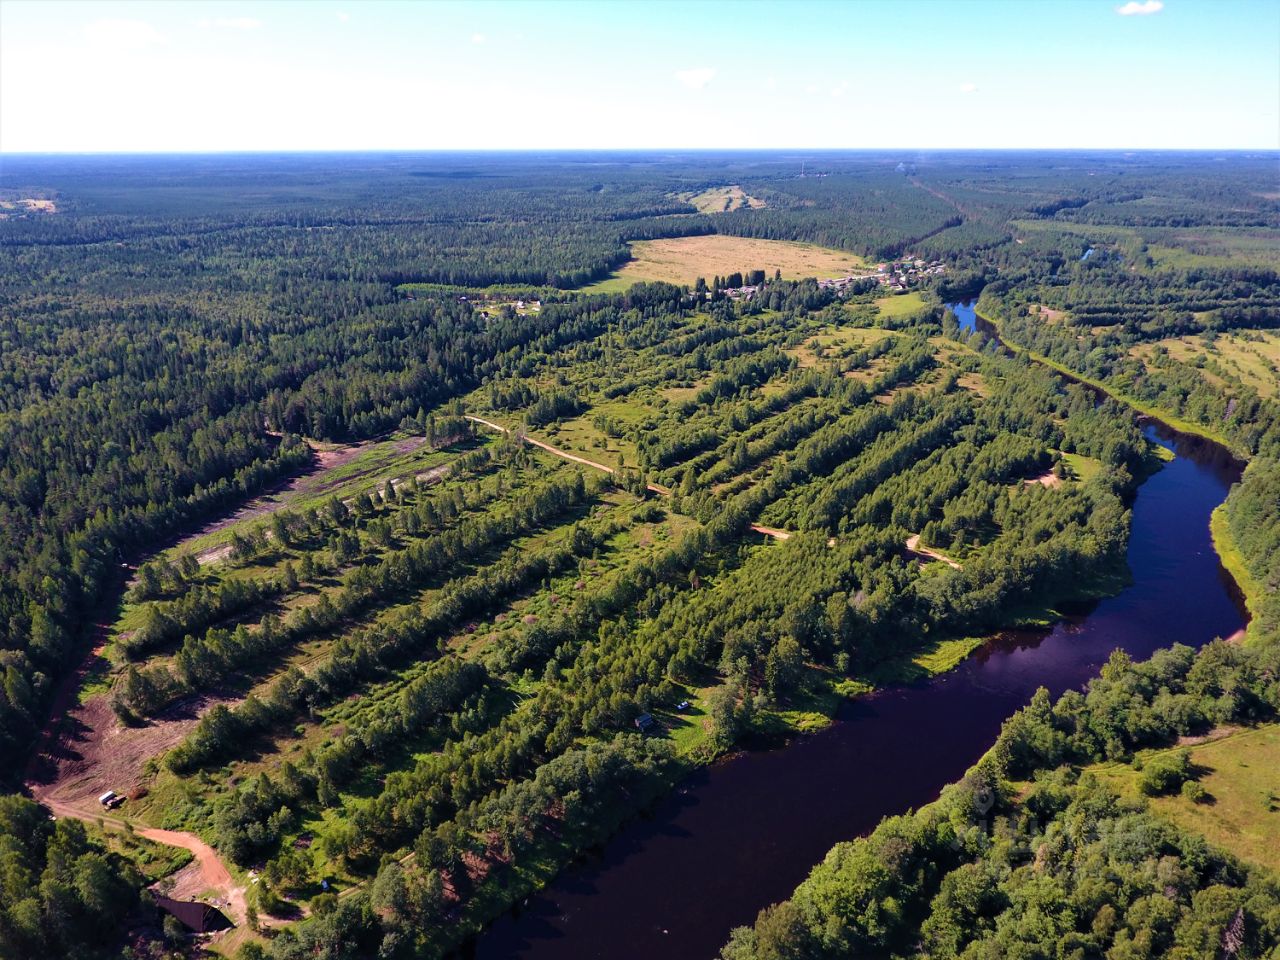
(1217, 733)
(1050, 315)
(773, 532)
(94, 752)
(27, 205)
(1046, 479)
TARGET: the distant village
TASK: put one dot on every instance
(898, 276)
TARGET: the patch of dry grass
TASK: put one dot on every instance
(684, 259)
(722, 200)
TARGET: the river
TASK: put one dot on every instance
(743, 833)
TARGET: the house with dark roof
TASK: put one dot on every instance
(195, 916)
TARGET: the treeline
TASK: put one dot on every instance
(1252, 514)
(180, 433)
(62, 893)
(206, 660)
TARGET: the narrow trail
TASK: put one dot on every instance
(771, 532)
(913, 545)
(563, 454)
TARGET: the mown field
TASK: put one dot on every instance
(722, 200)
(684, 259)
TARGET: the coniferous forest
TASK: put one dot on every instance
(364, 526)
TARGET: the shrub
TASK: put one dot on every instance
(1164, 774)
(1195, 792)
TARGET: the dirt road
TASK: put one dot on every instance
(913, 545)
(771, 532)
(215, 882)
(563, 454)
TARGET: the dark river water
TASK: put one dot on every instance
(741, 835)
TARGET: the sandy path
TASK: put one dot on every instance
(563, 454)
(1047, 479)
(213, 873)
(913, 545)
(771, 532)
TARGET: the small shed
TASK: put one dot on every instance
(195, 916)
(644, 722)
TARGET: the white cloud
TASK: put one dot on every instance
(840, 89)
(478, 38)
(696, 78)
(343, 16)
(969, 87)
(229, 23)
(122, 34)
(1135, 9)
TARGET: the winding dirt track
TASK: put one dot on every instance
(566, 455)
(913, 545)
(214, 875)
(77, 756)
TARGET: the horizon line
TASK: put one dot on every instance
(276, 151)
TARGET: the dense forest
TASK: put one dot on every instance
(423, 676)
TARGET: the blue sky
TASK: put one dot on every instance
(108, 76)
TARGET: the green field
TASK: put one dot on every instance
(1243, 358)
(1239, 770)
(902, 305)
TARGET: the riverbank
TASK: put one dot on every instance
(1233, 560)
(1223, 542)
(885, 752)
(1169, 419)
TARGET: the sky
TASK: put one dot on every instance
(666, 74)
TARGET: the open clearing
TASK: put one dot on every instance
(685, 259)
(1249, 356)
(722, 200)
(27, 205)
(1243, 815)
(901, 305)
